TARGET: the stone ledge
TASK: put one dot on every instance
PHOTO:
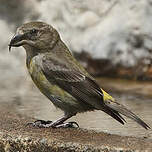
(15, 136)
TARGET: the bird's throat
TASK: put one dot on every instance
(30, 53)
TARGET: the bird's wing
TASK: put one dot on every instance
(70, 79)
(77, 83)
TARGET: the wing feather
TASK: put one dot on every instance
(70, 79)
(78, 84)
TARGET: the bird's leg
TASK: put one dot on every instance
(60, 122)
(56, 124)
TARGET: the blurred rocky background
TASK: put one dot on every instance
(110, 37)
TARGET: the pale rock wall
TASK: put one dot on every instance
(106, 29)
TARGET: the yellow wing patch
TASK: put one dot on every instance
(107, 97)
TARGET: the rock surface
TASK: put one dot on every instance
(16, 136)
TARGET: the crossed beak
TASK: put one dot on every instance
(16, 41)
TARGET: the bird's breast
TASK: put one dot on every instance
(46, 87)
(37, 76)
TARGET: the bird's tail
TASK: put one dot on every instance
(113, 109)
(117, 108)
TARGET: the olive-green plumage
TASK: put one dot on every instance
(61, 78)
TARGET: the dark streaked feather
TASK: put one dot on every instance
(84, 88)
(122, 110)
(114, 114)
(79, 86)
(70, 79)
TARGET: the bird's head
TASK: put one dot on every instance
(37, 36)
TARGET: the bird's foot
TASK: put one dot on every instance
(50, 124)
(71, 124)
(39, 123)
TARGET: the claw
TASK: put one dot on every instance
(39, 123)
(72, 124)
(49, 124)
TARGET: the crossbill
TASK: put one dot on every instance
(60, 77)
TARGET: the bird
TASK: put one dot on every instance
(62, 79)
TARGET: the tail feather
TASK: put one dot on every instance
(118, 108)
(114, 114)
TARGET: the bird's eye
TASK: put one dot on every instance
(33, 31)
